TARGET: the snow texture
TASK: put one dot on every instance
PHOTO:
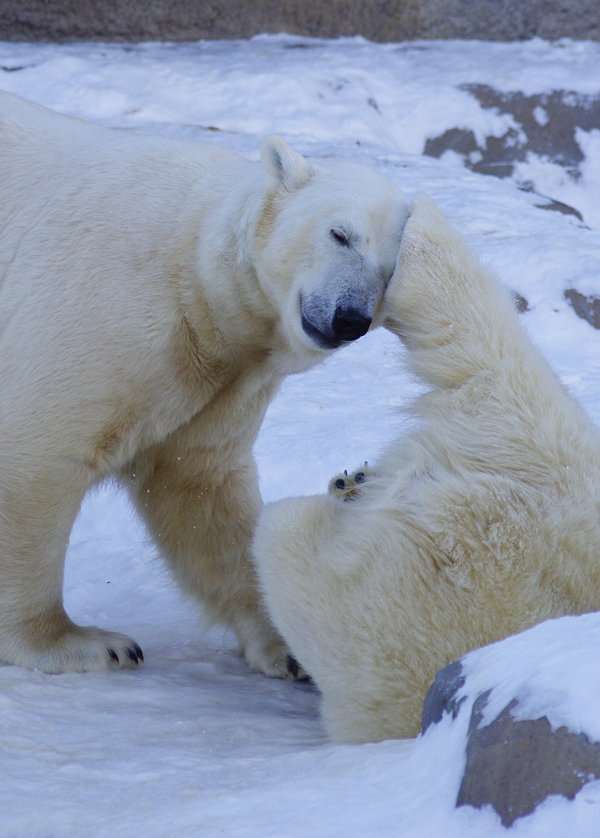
(193, 743)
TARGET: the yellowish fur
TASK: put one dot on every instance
(478, 524)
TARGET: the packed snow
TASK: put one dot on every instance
(194, 743)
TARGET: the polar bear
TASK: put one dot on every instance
(153, 295)
(479, 522)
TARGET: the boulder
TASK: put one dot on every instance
(518, 755)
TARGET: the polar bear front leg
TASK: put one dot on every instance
(37, 509)
(201, 509)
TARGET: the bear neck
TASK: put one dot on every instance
(221, 297)
(227, 329)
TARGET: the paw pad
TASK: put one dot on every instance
(346, 487)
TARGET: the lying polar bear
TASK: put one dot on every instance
(481, 522)
(153, 295)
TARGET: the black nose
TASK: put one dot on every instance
(349, 324)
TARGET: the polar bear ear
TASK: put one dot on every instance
(283, 164)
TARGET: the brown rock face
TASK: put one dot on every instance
(391, 20)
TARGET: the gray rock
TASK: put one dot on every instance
(520, 302)
(588, 308)
(515, 765)
(545, 125)
(511, 764)
(441, 695)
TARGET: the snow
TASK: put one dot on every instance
(542, 681)
(193, 743)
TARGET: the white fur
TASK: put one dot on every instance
(481, 522)
(151, 296)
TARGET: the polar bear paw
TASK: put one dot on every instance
(272, 657)
(295, 670)
(347, 487)
(81, 649)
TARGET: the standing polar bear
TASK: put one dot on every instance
(479, 523)
(153, 294)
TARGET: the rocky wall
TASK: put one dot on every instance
(377, 20)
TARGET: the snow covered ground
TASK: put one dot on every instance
(194, 744)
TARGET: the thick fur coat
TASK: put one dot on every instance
(153, 294)
(478, 523)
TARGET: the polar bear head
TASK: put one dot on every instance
(326, 246)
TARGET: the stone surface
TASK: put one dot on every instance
(441, 695)
(515, 765)
(588, 308)
(383, 20)
(512, 764)
(520, 302)
(546, 125)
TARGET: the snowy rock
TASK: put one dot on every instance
(515, 765)
(544, 124)
(442, 695)
(518, 756)
(588, 308)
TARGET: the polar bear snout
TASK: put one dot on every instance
(347, 323)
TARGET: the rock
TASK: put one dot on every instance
(441, 695)
(527, 711)
(558, 206)
(546, 125)
(515, 765)
(394, 20)
(588, 308)
(520, 302)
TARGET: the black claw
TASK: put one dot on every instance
(132, 655)
(138, 652)
(292, 665)
(112, 655)
(340, 483)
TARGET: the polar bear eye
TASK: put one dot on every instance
(340, 237)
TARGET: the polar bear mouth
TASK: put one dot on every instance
(347, 324)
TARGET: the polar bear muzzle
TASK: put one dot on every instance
(347, 324)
